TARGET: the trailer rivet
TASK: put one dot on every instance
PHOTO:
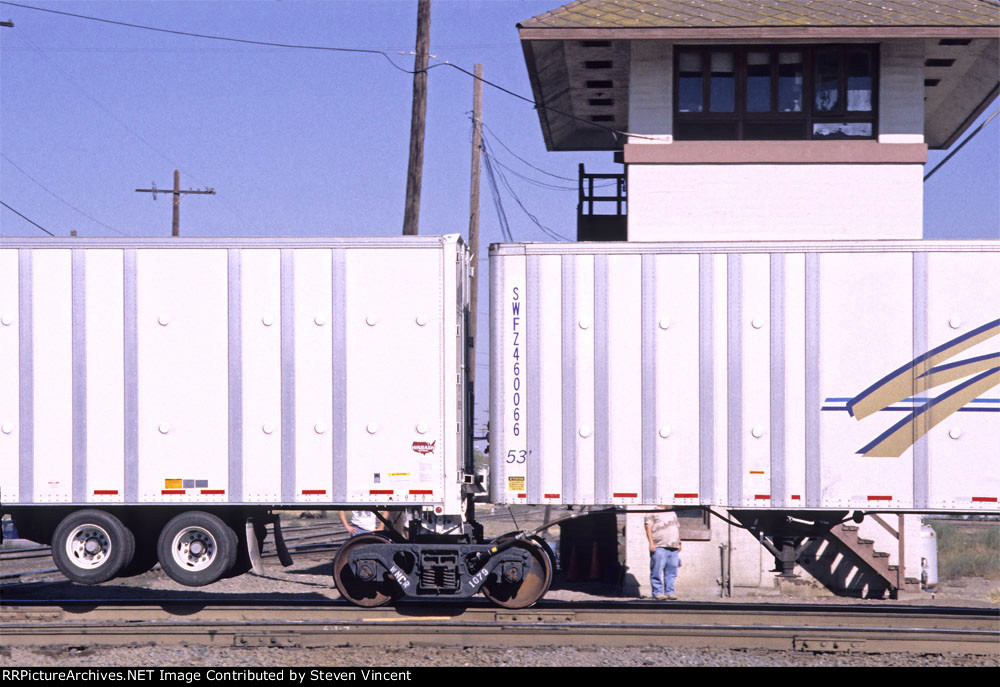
(320, 428)
(757, 323)
(421, 320)
(267, 320)
(163, 319)
(371, 320)
(164, 427)
(268, 428)
(422, 428)
(584, 323)
(665, 431)
(664, 323)
(954, 432)
(6, 319)
(372, 427)
(757, 432)
(7, 428)
(319, 320)
(955, 322)
(584, 431)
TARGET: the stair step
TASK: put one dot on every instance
(849, 528)
(865, 541)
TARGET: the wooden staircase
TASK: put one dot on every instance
(849, 565)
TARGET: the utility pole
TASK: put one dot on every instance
(477, 141)
(411, 214)
(176, 228)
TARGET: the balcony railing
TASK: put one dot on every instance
(602, 225)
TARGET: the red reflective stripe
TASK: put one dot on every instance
(378, 491)
(421, 491)
(213, 491)
(313, 492)
(550, 496)
(796, 497)
(173, 491)
(762, 497)
(880, 498)
(979, 499)
(685, 496)
(624, 495)
(522, 496)
(105, 492)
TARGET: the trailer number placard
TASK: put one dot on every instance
(516, 331)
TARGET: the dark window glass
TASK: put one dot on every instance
(859, 81)
(773, 131)
(723, 83)
(827, 80)
(705, 131)
(790, 82)
(689, 98)
(758, 82)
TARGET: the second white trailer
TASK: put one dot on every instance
(754, 376)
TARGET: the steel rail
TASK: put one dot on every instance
(966, 631)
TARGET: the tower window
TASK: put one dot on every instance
(775, 92)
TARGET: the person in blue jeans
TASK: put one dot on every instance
(664, 534)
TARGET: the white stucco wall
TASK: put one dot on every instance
(717, 202)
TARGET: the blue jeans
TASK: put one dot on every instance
(663, 570)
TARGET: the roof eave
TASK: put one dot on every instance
(755, 33)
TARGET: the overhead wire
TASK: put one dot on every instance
(26, 218)
(183, 168)
(57, 197)
(326, 48)
(548, 231)
(497, 200)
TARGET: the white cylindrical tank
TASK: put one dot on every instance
(928, 557)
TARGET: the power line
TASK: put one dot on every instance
(64, 202)
(124, 125)
(551, 233)
(206, 36)
(326, 48)
(26, 219)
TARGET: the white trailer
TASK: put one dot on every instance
(157, 397)
(809, 379)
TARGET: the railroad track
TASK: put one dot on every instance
(245, 623)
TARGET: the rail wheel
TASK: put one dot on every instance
(361, 592)
(196, 548)
(91, 546)
(530, 588)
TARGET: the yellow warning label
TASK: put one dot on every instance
(515, 484)
(173, 484)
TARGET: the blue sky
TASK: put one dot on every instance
(299, 142)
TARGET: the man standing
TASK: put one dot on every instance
(361, 522)
(664, 534)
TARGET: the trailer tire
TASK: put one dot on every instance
(91, 546)
(196, 548)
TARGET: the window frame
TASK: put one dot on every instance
(808, 117)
